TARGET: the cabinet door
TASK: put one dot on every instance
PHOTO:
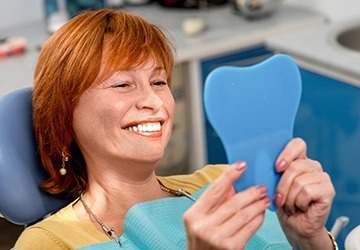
(329, 121)
(215, 149)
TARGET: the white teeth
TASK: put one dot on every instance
(148, 127)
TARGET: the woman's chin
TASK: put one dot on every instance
(151, 159)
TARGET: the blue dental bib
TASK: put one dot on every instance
(158, 225)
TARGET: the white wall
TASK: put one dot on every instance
(19, 12)
(335, 10)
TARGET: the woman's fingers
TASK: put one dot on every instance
(226, 210)
(307, 206)
(220, 188)
(239, 221)
(293, 171)
(241, 236)
(232, 224)
(303, 186)
(222, 218)
(244, 235)
(295, 149)
(319, 190)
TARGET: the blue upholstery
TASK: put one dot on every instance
(21, 199)
(253, 110)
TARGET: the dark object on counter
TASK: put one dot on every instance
(253, 9)
(190, 4)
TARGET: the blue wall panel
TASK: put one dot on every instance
(329, 121)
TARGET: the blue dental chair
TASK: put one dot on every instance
(22, 201)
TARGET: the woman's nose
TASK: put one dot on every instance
(149, 99)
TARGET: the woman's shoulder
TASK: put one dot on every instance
(195, 181)
(36, 237)
(43, 235)
(62, 230)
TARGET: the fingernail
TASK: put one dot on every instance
(278, 200)
(281, 166)
(267, 200)
(239, 165)
(262, 190)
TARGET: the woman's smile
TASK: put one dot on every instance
(147, 129)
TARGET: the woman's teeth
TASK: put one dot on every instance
(148, 127)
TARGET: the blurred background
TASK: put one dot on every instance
(323, 36)
(19, 12)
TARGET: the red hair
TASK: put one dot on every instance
(68, 64)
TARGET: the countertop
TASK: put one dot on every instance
(226, 32)
(315, 48)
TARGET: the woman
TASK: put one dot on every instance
(103, 114)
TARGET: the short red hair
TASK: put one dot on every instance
(68, 64)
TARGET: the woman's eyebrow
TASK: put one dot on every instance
(159, 69)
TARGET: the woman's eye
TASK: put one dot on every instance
(123, 86)
(120, 85)
(159, 83)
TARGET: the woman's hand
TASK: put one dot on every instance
(223, 219)
(304, 197)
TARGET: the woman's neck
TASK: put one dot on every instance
(110, 196)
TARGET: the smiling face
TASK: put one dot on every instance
(127, 118)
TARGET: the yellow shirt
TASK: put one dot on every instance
(64, 230)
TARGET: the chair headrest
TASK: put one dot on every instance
(22, 201)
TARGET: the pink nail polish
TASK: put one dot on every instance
(266, 200)
(262, 190)
(239, 165)
(278, 200)
(281, 165)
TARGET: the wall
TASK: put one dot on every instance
(335, 10)
(19, 12)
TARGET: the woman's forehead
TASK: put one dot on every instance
(108, 67)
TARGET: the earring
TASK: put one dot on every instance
(64, 160)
